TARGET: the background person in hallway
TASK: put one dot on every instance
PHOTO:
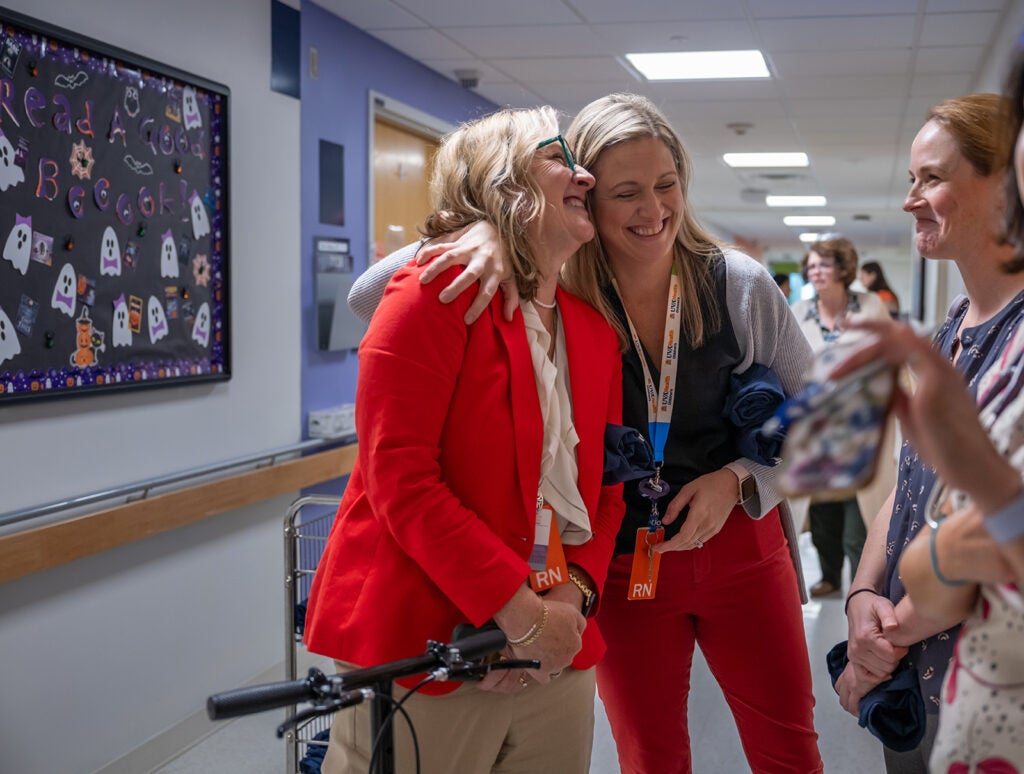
(465, 433)
(873, 278)
(957, 165)
(837, 527)
(782, 280)
(727, 577)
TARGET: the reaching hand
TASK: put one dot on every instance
(477, 248)
(711, 498)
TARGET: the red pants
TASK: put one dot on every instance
(737, 598)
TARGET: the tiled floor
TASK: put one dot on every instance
(249, 744)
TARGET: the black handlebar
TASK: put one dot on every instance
(317, 686)
(258, 698)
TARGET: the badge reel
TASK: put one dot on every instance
(643, 580)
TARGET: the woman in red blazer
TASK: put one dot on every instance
(464, 433)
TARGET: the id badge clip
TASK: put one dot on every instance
(547, 559)
(643, 579)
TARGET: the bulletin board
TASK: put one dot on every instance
(113, 218)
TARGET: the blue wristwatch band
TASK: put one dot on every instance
(1007, 524)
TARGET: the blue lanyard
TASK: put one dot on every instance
(661, 396)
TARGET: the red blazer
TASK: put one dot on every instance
(437, 520)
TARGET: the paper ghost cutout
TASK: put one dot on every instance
(9, 346)
(10, 173)
(18, 248)
(200, 220)
(131, 101)
(121, 333)
(201, 328)
(157, 320)
(190, 108)
(63, 297)
(110, 254)
(168, 256)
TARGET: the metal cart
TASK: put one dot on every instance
(306, 527)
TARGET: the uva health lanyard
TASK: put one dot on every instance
(660, 397)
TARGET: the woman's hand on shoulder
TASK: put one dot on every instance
(477, 248)
(711, 498)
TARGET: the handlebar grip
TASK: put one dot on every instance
(258, 698)
(482, 643)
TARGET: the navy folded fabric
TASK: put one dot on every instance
(892, 711)
(753, 398)
(315, 754)
(627, 455)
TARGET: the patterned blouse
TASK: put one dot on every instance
(980, 347)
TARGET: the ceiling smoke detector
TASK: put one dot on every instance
(739, 128)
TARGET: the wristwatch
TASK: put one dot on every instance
(589, 597)
(748, 487)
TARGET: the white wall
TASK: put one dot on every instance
(102, 654)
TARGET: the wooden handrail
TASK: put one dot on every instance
(41, 548)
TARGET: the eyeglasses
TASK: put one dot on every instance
(565, 149)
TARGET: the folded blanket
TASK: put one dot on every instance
(753, 398)
(627, 455)
(892, 711)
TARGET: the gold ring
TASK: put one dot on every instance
(522, 679)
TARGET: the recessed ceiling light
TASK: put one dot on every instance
(699, 65)
(809, 220)
(809, 236)
(795, 201)
(765, 159)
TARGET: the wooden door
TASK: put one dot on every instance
(402, 162)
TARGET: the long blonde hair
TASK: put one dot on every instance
(615, 119)
(482, 172)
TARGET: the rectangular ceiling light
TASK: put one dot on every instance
(809, 236)
(699, 65)
(765, 159)
(795, 201)
(809, 220)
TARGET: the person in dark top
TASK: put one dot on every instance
(957, 166)
(873, 278)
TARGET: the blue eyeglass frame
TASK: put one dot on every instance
(569, 159)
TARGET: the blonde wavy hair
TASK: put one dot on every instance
(609, 121)
(482, 172)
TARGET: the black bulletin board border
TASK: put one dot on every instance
(114, 221)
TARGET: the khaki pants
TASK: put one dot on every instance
(544, 729)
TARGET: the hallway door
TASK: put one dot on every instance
(402, 162)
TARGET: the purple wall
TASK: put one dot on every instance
(335, 108)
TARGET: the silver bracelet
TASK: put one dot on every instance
(1007, 524)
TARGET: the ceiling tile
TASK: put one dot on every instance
(837, 34)
(556, 40)
(608, 11)
(949, 59)
(676, 36)
(576, 69)
(473, 13)
(421, 44)
(851, 86)
(959, 29)
(893, 61)
(774, 9)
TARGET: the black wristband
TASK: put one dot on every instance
(852, 594)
